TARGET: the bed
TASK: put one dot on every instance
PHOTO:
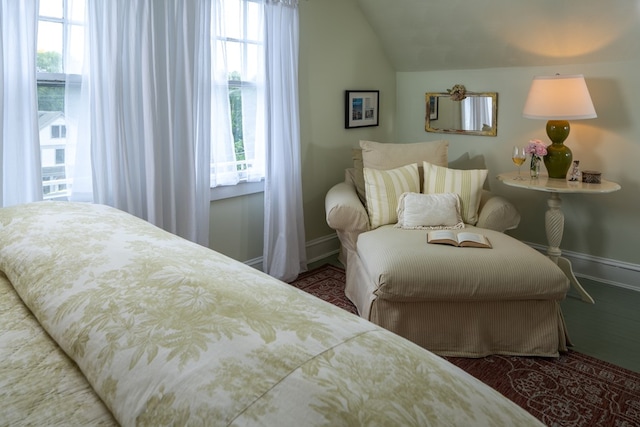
(108, 320)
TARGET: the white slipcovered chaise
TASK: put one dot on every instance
(453, 301)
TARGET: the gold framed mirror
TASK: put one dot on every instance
(475, 114)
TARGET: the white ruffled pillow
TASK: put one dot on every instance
(429, 211)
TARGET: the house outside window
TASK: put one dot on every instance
(52, 154)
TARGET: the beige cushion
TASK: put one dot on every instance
(467, 184)
(409, 269)
(497, 213)
(429, 211)
(377, 155)
(383, 190)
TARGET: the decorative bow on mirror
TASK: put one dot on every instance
(457, 92)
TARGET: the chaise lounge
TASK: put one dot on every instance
(453, 301)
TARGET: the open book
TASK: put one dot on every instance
(462, 239)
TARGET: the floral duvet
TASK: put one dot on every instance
(106, 319)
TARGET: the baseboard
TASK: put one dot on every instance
(317, 249)
(322, 247)
(604, 270)
(255, 263)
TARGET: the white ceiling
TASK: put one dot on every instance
(423, 35)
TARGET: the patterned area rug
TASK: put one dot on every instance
(574, 390)
(327, 283)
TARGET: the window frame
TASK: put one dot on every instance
(243, 187)
(61, 79)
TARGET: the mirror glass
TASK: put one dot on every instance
(477, 114)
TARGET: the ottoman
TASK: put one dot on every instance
(453, 301)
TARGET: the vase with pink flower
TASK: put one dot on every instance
(537, 149)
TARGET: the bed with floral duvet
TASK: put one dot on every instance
(108, 320)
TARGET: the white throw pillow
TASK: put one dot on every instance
(429, 211)
(467, 184)
(383, 190)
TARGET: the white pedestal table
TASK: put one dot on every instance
(554, 218)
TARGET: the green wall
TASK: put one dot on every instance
(605, 226)
(338, 51)
(236, 226)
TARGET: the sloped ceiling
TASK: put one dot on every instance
(424, 35)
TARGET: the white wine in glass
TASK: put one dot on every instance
(518, 156)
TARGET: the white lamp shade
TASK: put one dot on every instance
(559, 98)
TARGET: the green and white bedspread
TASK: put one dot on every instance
(166, 332)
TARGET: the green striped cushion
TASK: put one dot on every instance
(465, 183)
(384, 188)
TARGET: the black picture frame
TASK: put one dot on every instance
(361, 108)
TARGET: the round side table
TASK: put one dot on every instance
(554, 218)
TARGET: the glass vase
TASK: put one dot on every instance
(534, 169)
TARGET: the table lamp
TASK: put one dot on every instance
(558, 99)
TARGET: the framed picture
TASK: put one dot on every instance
(433, 108)
(361, 108)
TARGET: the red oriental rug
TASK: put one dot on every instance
(573, 390)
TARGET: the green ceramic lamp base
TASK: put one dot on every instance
(559, 157)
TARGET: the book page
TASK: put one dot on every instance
(442, 234)
(467, 239)
(473, 240)
(471, 237)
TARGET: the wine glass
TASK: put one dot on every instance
(518, 156)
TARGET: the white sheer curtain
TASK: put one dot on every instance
(147, 89)
(21, 176)
(476, 112)
(222, 151)
(236, 49)
(284, 254)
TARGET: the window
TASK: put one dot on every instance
(59, 156)
(237, 43)
(58, 131)
(237, 64)
(58, 64)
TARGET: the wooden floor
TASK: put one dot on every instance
(608, 330)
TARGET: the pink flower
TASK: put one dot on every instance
(536, 147)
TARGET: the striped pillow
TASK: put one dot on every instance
(384, 188)
(465, 183)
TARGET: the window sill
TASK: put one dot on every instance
(242, 189)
